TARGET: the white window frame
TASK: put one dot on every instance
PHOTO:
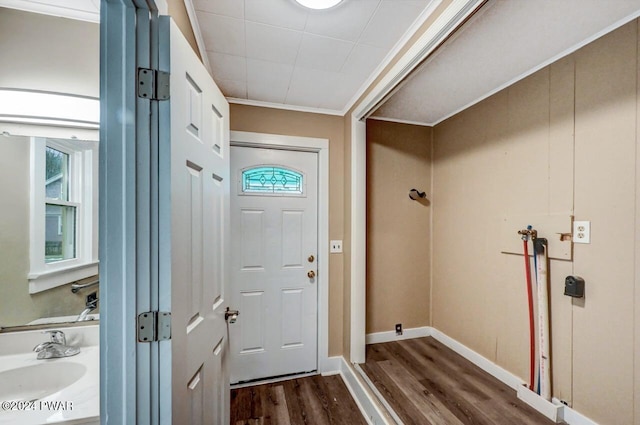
(83, 194)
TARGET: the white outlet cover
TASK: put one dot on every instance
(581, 232)
(335, 247)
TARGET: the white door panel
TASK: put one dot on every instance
(274, 233)
(194, 199)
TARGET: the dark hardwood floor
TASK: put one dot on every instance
(427, 383)
(313, 400)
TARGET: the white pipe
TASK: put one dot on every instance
(540, 246)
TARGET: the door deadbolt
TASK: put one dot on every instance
(311, 274)
(311, 258)
(231, 315)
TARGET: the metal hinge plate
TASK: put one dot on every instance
(154, 326)
(153, 84)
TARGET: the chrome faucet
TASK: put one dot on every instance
(89, 307)
(56, 347)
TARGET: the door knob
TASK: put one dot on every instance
(231, 315)
(311, 274)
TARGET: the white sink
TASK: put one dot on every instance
(74, 381)
(37, 381)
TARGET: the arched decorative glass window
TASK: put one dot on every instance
(272, 179)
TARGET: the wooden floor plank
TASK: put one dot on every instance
(425, 376)
(408, 412)
(314, 400)
(430, 406)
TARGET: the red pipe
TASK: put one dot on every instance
(532, 338)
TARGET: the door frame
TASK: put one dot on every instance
(128, 391)
(321, 147)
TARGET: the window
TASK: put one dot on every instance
(63, 241)
(272, 179)
(60, 213)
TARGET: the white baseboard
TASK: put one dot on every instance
(363, 398)
(330, 366)
(554, 410)
(378, 394)
(571, 416)
(482, 362)
(378, 337)
(547, 408)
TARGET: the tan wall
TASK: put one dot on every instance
(398, 229)
(178, 12)
(563, 140)
(277, 121)
(41, 52)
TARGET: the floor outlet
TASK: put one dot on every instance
(399, 329)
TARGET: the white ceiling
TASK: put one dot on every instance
(279, 52)
(506, 41)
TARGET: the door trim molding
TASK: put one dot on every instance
(321, 147)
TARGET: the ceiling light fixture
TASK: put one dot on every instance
(318, 4)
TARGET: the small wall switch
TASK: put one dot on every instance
(335, 247)
(581, 232)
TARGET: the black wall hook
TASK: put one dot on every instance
(415, 194)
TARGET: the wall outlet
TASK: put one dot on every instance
(398, 328)
(581, 232)
(335, 247)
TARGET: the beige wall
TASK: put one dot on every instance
(41, 52)
(398, 229)
(277, 121)
(178, 12)
(563, 140)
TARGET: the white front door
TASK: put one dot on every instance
(194, 201)
(274, 250)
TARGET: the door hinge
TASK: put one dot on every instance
(153, 84)
(154, 326)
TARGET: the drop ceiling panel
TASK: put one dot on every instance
(363, 60)
(279, 13)
(348, 20)
(327, 49)
(222, 34)
(233, 88)
(323, 53)
(311, 86)
(268, 81)
(228, 67)
(272, 44)
(390, 22)
(231, 8)
(340, 94)
(504, 42)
